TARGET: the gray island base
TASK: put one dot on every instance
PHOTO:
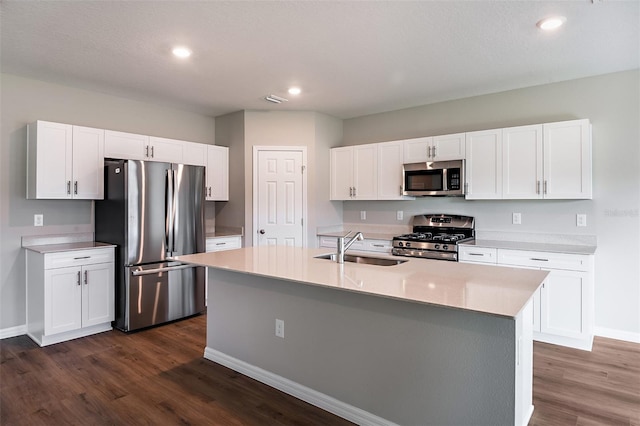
(367, 358)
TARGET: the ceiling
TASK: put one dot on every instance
(351, 58)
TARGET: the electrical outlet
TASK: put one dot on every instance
(280, 328)
(517, 219)
(38, 219)
(581, 220)
(363, 215)
(399, 215)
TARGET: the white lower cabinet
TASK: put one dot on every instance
(223, 243)
(563, 311)
(69, 294)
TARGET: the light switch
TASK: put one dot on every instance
(363, 215)
(38, 219)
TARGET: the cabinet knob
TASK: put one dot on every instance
(261, 232)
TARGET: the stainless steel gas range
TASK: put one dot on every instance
(435, 236)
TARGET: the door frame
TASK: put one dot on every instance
(305, 219)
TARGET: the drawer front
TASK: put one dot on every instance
(545, 260)
(331, 242)
(226, 243)
(476, 254)
(382, 246)
(78, 258)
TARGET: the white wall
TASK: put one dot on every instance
(23, 101)
(612, 103)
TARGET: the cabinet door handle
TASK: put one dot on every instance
(85, 278)
(538, 259)
(78, 277)
(400, 189)
(355, 193)
(69, 187)
(146, 154)
(221, 244)
(466, 188)
(434, 152)
(475, 254)
(545, 186)
(75, 187)
(152, 152)
(209, 191)
(378, 245)
(428, 152)
(351, 191)
(82, 257)
(537, 187)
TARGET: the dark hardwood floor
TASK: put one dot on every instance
(159, 377)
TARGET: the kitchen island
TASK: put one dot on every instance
(423, 342)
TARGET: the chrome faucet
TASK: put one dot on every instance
(342, 246)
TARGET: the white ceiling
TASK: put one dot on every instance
(351, 58)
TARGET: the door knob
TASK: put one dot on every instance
(261, 231)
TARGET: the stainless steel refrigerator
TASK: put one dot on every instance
(153, 211)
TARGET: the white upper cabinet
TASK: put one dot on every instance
(64, 161)
(341, 173)
(567, 160)
(354, 172)
(140, 147)
(551, 161)
(390, 158)
(522, 162)
(217, 173)
(195, 154)
(448, 147)
(436, 148)
(417, 150)
(365, 172)
(127, 146)
(163, 149)
(483, 165)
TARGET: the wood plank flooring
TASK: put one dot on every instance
(159, 377)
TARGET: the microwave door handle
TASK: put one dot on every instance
(445, 186)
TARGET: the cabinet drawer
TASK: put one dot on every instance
(331, 242)
(545, 260)
(477, 254)
(225, 243)
(382, 246)
(78, 257)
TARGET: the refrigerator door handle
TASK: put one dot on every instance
(169, 208)
(166, 269)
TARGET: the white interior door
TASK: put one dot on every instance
(279, 204)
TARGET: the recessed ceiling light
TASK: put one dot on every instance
(294, 90)
(181, 52)
(551, 23)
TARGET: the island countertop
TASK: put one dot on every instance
(485, 289)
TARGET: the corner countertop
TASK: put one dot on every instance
(54, 248)
(480, 288)
(530, 246)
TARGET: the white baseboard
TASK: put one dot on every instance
(18, 330)
(323, 401)
(618, 334)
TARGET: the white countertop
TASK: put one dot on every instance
(530, 246)
(480, 288)
(53, 248)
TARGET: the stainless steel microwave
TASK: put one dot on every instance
(438, 178)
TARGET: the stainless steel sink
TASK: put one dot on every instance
(363, 259)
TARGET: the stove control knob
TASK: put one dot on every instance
(437, 246)
(445, 247)
(400, 245)
(407, 244)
